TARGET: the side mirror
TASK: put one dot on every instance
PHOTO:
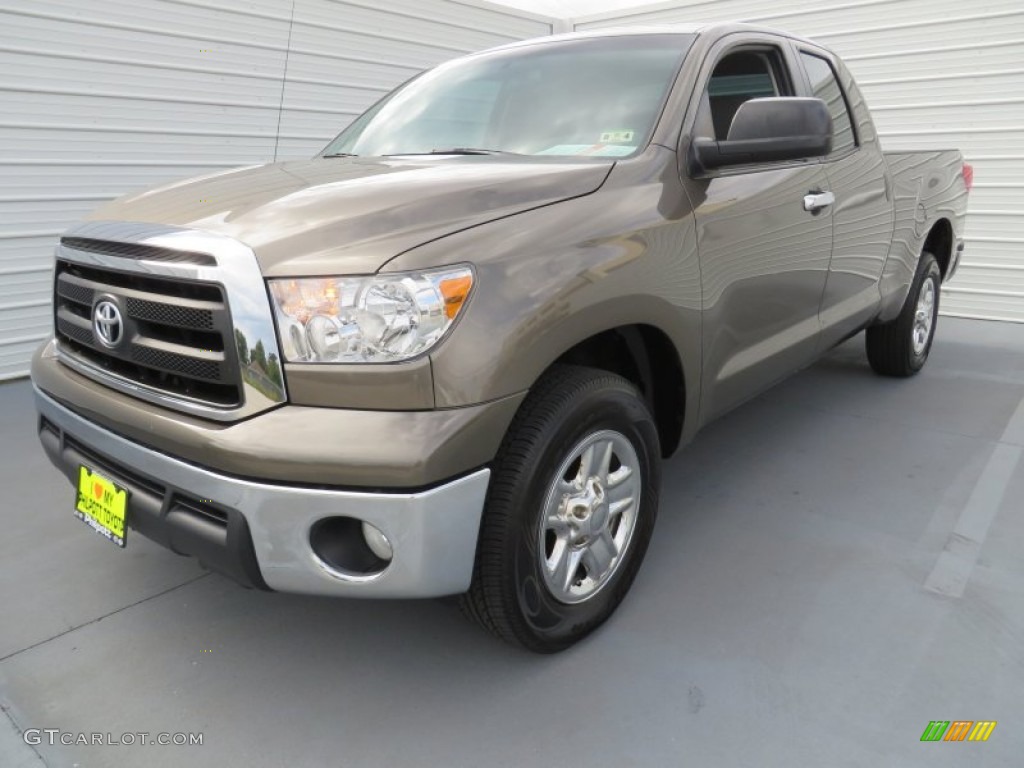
(766, 130)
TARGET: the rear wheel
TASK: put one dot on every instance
(569, 512)
(901, 346)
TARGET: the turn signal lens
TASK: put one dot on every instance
(455, 291)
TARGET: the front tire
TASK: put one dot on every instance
(900, 347)
(569, 512)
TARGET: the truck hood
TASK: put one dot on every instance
(352, 215)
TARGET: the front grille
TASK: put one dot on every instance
(170, 361)
(169, 314)
(176, 337)
(75, 332)
(79, 294)
(138, 251)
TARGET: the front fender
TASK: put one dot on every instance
(551, 278)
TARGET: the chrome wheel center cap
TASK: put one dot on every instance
(586, 512)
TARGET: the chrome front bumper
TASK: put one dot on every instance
(433, 533)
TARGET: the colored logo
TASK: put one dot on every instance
(958, 730)
(107, 323)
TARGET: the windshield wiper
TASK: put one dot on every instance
(470, 151)
(340, 154)
(455, 151)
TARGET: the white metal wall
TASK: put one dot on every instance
(101, 97)
(936, 74)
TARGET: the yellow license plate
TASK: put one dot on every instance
(102, 505)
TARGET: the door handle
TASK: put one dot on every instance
(815, 201)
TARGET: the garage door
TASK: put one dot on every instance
(102, 97)
(936, 74)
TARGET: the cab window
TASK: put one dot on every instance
(825, 86)
(739, 77)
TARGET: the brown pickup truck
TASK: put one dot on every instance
(448, 355)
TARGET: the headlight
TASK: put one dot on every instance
(378, 319)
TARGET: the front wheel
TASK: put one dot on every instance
(901, 346)
(569, 512)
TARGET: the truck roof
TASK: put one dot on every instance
(716, 28)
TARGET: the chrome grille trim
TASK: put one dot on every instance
(150, 250)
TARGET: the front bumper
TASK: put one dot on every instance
(258, 533)
(293, 444)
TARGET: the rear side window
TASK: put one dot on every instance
(825, 86)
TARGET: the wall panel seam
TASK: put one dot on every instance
(284, 82)
(895, 52)
(169, 99)
(182, 67)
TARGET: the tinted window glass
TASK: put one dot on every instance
(598, 97)
(737, 78)
(825, 86)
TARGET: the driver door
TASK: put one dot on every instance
(764, 260)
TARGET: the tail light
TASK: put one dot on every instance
(968, 176)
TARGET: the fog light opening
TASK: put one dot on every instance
(377, 542)
(348, 547)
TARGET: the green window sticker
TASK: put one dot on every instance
(617, 137)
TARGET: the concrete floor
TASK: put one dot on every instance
(836, 563)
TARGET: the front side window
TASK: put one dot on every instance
(825, 86)
(596, 97)
(737, 78)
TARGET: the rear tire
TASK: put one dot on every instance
(900, 347)
(569, 512)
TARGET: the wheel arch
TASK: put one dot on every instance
(940, 243)
(644, 355)
(903, 260)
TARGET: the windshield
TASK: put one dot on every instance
(598, 97)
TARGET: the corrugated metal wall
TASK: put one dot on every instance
(101, 97)
(936, 74)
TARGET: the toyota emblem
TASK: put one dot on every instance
(107, 324)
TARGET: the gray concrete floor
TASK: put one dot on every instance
(836, 563)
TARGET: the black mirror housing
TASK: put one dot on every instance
(769, 130)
